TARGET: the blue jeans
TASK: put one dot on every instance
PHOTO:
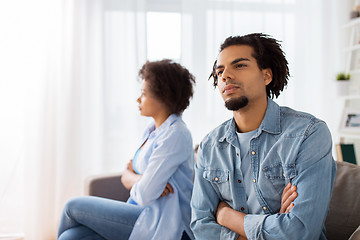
(90, 218)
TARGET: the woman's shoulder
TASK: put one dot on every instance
(177, 132)
(179, 129)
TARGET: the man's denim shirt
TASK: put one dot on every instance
(289, 146)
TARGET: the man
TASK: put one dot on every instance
(244, 164)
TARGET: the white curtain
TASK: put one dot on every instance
(11, 118)
(69, 86)
(64, 128)
(68, 121)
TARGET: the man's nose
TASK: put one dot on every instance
(227, 75)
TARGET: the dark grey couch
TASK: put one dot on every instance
(342, 222)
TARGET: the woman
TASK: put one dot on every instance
(160, 175)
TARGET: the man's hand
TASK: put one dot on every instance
(287, 198)
(232, 219)
(221, 215)
(168, 189)
(241, 238)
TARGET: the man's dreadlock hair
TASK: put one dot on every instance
(268, 54)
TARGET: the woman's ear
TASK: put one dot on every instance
(267, 75)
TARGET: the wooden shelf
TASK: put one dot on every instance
(352, 28)
(353, 48)
(350, 135)
(349, 97)
(352, 22)
(357, 71)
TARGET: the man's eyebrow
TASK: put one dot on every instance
(239, 60)
(233, 62)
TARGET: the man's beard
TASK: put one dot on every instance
(236, 103)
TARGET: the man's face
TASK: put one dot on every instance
(240, 80)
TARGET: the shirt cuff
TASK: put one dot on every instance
(253, 225)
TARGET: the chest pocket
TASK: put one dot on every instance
(220, 180)
(280, 175)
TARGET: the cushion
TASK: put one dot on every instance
(344, 215)
(355, 235)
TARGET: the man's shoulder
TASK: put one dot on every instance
(298, 121)
(287, 112)
(216, 134)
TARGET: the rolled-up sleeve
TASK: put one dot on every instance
(204, 204)
(170, 151)
(315, 179)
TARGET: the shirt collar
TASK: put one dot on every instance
(270, 123)
(230, 133)
(151, 130)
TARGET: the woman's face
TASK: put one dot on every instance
(149, 105)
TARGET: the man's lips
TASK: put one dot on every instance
(230, 88)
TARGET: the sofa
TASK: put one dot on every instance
(342, 222)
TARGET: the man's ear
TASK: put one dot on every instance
(267, 72)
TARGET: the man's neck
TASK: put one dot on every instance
(250, 117)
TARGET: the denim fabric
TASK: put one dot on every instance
(289, 146)
(166, 157)
(92, 218)
(246, 174)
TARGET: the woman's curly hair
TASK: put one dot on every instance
(268, 54)
(170, 83)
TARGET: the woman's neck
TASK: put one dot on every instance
(160, 118)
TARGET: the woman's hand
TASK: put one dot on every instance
(287, 198)
(130, 167)
(168, 189)
(129, 177)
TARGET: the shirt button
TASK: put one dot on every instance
(239, 181)
(283, 174)
(254, 180)
(237, 154)
(265, 208)
(216, 179)
(253, 152)
(242, 208)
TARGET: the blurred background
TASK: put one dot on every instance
(68, 84)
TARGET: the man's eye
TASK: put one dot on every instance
(219, 73)
(240, 65)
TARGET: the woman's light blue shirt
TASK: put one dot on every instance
(166, 157)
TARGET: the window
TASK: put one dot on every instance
(163, 35)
